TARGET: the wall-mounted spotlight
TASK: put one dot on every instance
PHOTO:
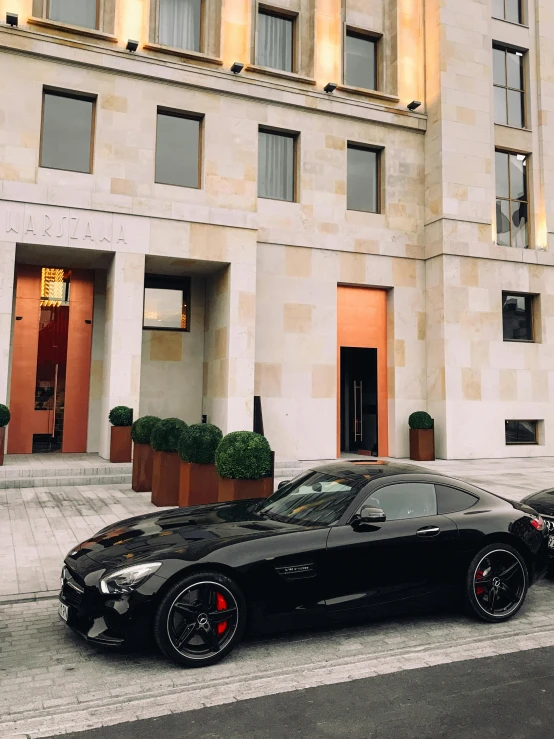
(414, 105)
(330, 87)
(237, 67)
(132, 45)
(12, 19)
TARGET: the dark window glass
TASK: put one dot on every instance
(362, 187)
(177, 150)
(361, 61)
(405, 500)
(77, 12)
(511, 199)
(521, 432)
(275, 41)
(166, 303)
(66, 133)
(509, 10)
(451, 500)
(509, 88)
(517, 317)
(275, 166)
(179, 24)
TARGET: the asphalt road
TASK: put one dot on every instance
(504, 697)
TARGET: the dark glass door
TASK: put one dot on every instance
(358, 388)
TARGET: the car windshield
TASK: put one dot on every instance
(313, 499)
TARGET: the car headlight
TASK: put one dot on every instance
(124, 580)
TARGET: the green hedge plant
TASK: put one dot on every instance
(121, 415)
(243, 455)
(4, 415)
(198, 443)
(421, 420)
(141, 430)
(165, 434)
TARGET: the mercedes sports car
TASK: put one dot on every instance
(344, 540)
(543, 503)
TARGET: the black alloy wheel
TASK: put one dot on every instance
(200, 619)
(497, 583)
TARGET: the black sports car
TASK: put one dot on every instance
(347, 539)
(543, 503)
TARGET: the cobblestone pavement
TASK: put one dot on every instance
(51, 682)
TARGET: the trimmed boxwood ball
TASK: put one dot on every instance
(199, 442)
(121, 415)
(141, 430)
(4, 415)
(421, 420)
(165, 434)
(243, 455)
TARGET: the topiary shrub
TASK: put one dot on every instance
(121, 415)
(141, 430)
(165, 434)
(243, 455)
(420, 420)
(199, 442)
(5, 415)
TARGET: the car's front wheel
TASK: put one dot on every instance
(496, 584)
(200, 619)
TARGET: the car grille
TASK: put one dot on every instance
(549, 523)
(71, 596)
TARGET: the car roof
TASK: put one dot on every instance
(372, 468)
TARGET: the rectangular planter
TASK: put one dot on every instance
(143, 459)
(422, 445)
(120, 444)
(165, 478)
(198, 484)
(2, 444)
(244, 489)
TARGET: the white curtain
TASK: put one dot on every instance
(275, 166)
(274, 42)
(179, 24)
(76, 12)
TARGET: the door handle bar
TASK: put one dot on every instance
(428, 531)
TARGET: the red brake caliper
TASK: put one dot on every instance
(221, 605)
(479, 589)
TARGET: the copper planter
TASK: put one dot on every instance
(422, 445)
(2, 444)
(198, 484)
(143, 458)
(166, 468)
(244, 489)
(121, 446)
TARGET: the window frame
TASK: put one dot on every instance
(295, 136)
(510, 200)
(378, 150)
(366, 35)
(522, 14)
(523, 91)
(523, 443)
(190, 116)
(74, 95)
(532, 298)
(168, 282)
(284, 14)
(202, 44)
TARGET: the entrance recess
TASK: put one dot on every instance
(49, 393)
(358, 396)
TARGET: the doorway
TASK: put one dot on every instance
(359, 401)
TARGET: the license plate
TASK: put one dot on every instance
(63, 611)
(551, 542)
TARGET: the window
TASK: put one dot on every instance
(521, 432)
(275, 47)
(509, 87)
(177, 150)
(76, 12)
(405, 500)
(517, 317)
(166, 303)
(511, 199)
(452, 500)
(180, 24)
(276, 165)
(66, 141)
(360, 60)
(362, 186)
(508, 10)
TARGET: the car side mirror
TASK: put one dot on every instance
(368, 514)
(282, 484)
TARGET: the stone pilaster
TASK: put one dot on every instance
(7, 266)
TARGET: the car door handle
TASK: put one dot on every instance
(427, 531)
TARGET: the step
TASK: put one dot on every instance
(75, 479)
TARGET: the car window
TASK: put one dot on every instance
(405, 500)
(452, 500)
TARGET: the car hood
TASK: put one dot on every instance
(542, 502)
(188, 532)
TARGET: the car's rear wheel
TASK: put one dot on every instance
(200, 619)
(497, 583)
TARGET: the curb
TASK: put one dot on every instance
(27, 598)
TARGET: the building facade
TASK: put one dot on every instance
(205, 201)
